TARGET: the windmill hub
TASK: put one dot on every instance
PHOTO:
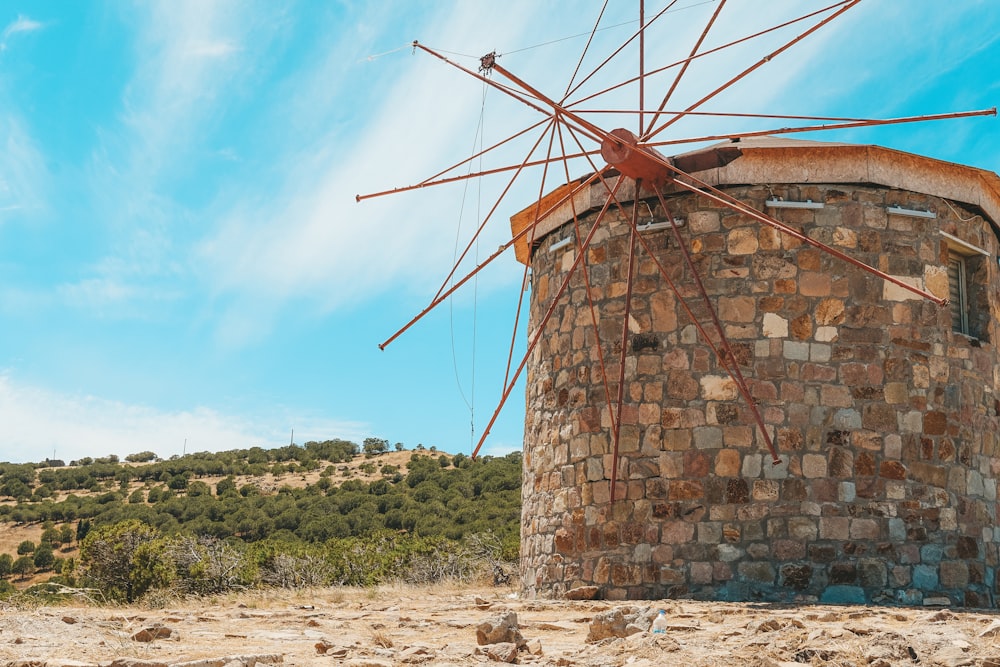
(622, 151)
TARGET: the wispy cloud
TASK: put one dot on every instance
(20, 24)
(39, 422)
(23, 175)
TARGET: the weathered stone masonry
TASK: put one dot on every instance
(885, 419)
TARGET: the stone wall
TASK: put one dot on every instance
(885, 420)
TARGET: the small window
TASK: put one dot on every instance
(958, 293)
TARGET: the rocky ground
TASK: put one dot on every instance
(467, 625)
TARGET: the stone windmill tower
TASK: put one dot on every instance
(763, 369)
(882, 405)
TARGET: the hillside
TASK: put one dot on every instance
(317, 503)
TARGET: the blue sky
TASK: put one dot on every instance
(182, 261)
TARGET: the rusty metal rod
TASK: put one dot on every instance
(489, 215)
(713, 193)
(622, 84)
(540, 330)
(680, 74)
(618, 50)
(729, 359)
(873, 122)
(763, 61)
(623, 354)
(726, 357)
(517, 237)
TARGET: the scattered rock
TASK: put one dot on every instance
(583, 593)
(772, 624)
(415, 654)
(152, 633)
(501, 629)
(992, 630)
(323, 645)
(951, 656)
(367, 662)
(137, 662)
(617, 622)
(483, 604)
(534, 647)
(502, 652)
(545, 625)
(69, 620)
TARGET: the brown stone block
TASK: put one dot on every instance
(770, 304)
(696, 463)
(801, 328)
(676, 532)
(946, 450)
(564, 540)
(682, 385)
(727, 463)
(892, 470)
(786, 550)
(786, 286)
(765, 490)
(737, 491)
(829, 312)
(935, 423)
(864, 464)
(814, 284)
(818, 373)
(954, 574)
(927, 473)
(880, 417)
(757, 571)
(677, 439)
(794, 489)
(841, 463)
(685, 490)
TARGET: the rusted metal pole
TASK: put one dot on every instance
(680, 75)
(763, 61)
(541, 325)
(622, 84)
(623, 355)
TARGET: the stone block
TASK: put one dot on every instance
(872, 573)
(727, 463)
(774, 326)
(701, 572)
(757, 572)
(814, 465)
(864, 529)
(802, 528)
(737, 309)
(742, 241)
(834, 528)
(954, 574)
(795, 350)
(842, 594)
(718, 388)
(925, 577)
(708, 437)
(812, 283)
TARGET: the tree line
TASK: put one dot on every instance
(438, 516)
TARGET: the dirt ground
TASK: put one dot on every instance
(438, 626)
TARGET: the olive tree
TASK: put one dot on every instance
(125, 559)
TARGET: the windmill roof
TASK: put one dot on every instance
(780, 160)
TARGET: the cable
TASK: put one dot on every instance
(589, 33)
(470, 401)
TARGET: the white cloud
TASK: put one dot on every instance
(37, 422)
(23, 176)
(20, 24)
